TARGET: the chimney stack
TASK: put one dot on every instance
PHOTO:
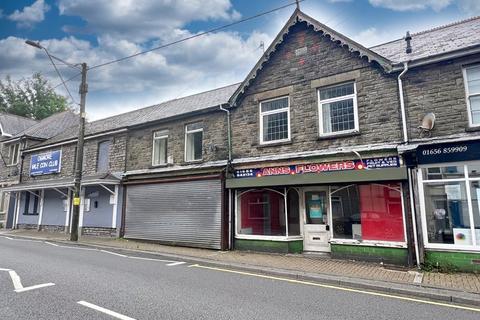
(408, 38)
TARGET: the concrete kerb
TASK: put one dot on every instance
(413, 290)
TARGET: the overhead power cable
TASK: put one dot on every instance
(196, 35)
(60, 76)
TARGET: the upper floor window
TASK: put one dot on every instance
(275, 120)
(103, 156)
(159, 154)
(472, 88)
(13, 153)
(193, 141)
(338, 109)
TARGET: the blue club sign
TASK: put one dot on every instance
(46, 163)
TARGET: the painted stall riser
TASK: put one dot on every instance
(101, 216)
(397, 256)
(269, 246)
(24, 219)
(453, 261)
(53, 209)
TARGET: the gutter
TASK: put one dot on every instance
(402, 102)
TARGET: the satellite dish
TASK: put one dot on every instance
(428, 122)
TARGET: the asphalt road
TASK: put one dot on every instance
(142, 286)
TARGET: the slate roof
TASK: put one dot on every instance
(50, 126)
(168, 109)
(455, 36)
(13, 124)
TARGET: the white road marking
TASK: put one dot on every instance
(103, 310)
(38, 286)
(51, 243)
(149, 259)
(171, 263)
(17, 282)
(114, 253)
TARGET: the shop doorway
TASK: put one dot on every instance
(316, 229)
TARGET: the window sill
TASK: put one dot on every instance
(472, 129)
(193, 161)
(153, 166)
(338, 135)
(30, 214)
(274, 144)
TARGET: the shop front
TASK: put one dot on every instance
(448, 177)
(349, 209)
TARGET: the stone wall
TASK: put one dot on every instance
(140, 143)
(438, 88)
(116, 158)
(305, 61)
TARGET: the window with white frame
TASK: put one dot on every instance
(275, 120)
(13, 153)
(338, 109)
(193, 141)
(103, 155)
(472, 89)
(159, 154)
(451, 205)
(267, 213)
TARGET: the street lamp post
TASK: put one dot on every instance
(81, 133)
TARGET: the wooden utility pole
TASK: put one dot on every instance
(79, 157)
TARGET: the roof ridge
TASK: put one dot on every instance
(18, 116)
(451, 24)
(158, 104)
(429, 30)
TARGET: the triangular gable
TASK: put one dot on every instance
(299, 17)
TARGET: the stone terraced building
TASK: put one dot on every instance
(326, 147)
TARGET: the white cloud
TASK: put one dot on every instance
(144, 19)
(411, 5)
(372, 36)
(30, 15)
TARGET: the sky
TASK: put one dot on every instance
(97, 31)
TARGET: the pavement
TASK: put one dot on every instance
(461, 288)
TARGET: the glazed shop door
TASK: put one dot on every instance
(316, 229)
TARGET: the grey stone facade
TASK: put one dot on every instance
(140, 143)
(321, 62)
(438, 88)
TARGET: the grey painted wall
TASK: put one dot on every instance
(26, 219)
(53, 213)
(102, 215)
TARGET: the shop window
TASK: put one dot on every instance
(447, 172)
(103, 156)
(452, 208)
(275, 120)
(293, 212)
(193, 141)
(13, 153)
(3, 202)
(472, 89)
(262, 213)
(367, 212)
(159, 154)
(31, 202)
(338, 109)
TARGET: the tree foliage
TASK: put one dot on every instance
(32, 97)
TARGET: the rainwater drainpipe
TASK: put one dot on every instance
(402, 102)
(229, 137)
(230, 211)
(409, 171)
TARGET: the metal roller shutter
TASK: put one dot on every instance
(185, 213)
